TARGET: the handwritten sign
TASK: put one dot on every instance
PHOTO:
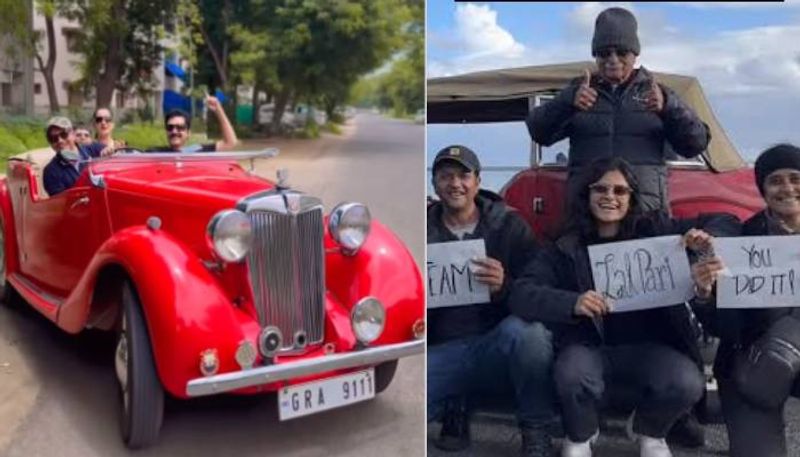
(642, 274)
(763, 271)
(450, 279)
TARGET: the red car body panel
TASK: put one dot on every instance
(692, 190)
(57, 248)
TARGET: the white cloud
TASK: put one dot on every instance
(481, 35)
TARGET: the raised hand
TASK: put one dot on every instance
(585, 96)
(654, 100)
(591, 304)
(213, 103)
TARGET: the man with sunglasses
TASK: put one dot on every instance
(65, 167)
(178, 126)
(621, 111)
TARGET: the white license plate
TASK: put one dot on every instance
(316, 396)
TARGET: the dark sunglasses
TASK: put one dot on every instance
(176, 127)
(54, 137)
(607, 52)
(603, 189)
(100, 119)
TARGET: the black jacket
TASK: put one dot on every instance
(60, 174)
(550, 285)
(619, 126)
(508, 239)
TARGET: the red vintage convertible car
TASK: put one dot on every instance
(214, 280)
(491, 105)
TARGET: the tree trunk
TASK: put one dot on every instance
(107, 80)
(256, 104)
(48, 68)
(280, 105)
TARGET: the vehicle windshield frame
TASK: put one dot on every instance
(146, 157)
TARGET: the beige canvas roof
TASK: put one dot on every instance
(469, 97)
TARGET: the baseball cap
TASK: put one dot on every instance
(60, 122)
(461, 154)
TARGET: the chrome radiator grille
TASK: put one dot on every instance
(286, 265)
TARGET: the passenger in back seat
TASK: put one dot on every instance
(65, 167)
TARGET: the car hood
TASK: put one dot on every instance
(224, 183)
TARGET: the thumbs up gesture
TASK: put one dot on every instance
(654, 100)
(585, 96)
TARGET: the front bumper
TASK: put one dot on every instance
(264, 375)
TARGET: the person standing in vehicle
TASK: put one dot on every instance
(64, 168)
(652, 352)
(754, 410)
(178, 127)
(104, 128)
(620, 111)
(480, 348)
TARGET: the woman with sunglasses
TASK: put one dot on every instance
(620, 111)
(104, 128)
(651, 353)
(753, 384)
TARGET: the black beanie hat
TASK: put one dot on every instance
(777, 157)
(615, 27)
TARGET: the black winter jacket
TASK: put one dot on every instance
(508, 239)
(618, 125)
(550, 285)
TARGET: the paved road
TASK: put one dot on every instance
(57, 392)
(496, 434)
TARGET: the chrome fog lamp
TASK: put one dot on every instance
(368, 319)
(231, 234)
(349, 225)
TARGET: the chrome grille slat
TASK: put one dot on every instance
(286, 271)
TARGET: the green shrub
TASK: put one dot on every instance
(9, 144)
(333, 127)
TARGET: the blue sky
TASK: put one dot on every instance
(746, 54)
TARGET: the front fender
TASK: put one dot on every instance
(383, 268)
(185, 309)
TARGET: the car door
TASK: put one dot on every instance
(62, 233)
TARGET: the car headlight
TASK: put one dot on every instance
(231, 234)
(349, 225)
(368, 319)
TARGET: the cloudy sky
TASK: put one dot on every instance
(746, 55)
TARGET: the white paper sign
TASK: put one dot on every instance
(642, 274)
(450, 279)
(763, 271)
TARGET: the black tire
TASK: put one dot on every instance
(384, 373)
(142, 396)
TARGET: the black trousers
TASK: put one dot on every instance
(666, 384)
(752, 431)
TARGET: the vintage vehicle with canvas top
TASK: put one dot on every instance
(491, 103)
(215, 280)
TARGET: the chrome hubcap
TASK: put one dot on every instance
(121, 362)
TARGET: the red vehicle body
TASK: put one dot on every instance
(134, 233)
(719, 181)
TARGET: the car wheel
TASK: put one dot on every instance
(140, 389)
(384, 373)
